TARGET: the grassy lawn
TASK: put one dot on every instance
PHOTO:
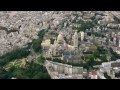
(16, 63)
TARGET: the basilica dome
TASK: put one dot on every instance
(60, 38)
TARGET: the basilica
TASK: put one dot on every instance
(68, 53)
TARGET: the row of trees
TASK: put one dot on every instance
(32, 71)
(98, 34)
(7, 30)
(88, 52)
(55, 59)
(114, 56)
(37, 42)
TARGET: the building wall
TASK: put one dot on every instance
(77, 70)
(64, 68)
(94, 76)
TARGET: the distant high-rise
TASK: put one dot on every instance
(118, 40)
(114, 39)
(75, 40)
(82, 35)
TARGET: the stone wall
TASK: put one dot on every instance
(64, 68)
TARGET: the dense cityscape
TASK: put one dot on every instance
(59, 45)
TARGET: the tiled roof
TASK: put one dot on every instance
(94, 73)
(116, 64)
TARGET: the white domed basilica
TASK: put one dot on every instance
(61, 49)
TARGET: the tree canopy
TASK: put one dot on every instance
(41, 59)
(37, 42)
(32, 71)
(13, 55)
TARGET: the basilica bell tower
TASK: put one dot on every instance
(75, 40)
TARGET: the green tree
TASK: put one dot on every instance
(32, 71)
(106, 76)
(52, 41)
(18, 73)
(41, 34)
(114, 56)
(103, 58)
(96, 54)
(37, 42)
(117, 74)
(37, 45)
(41, 59)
